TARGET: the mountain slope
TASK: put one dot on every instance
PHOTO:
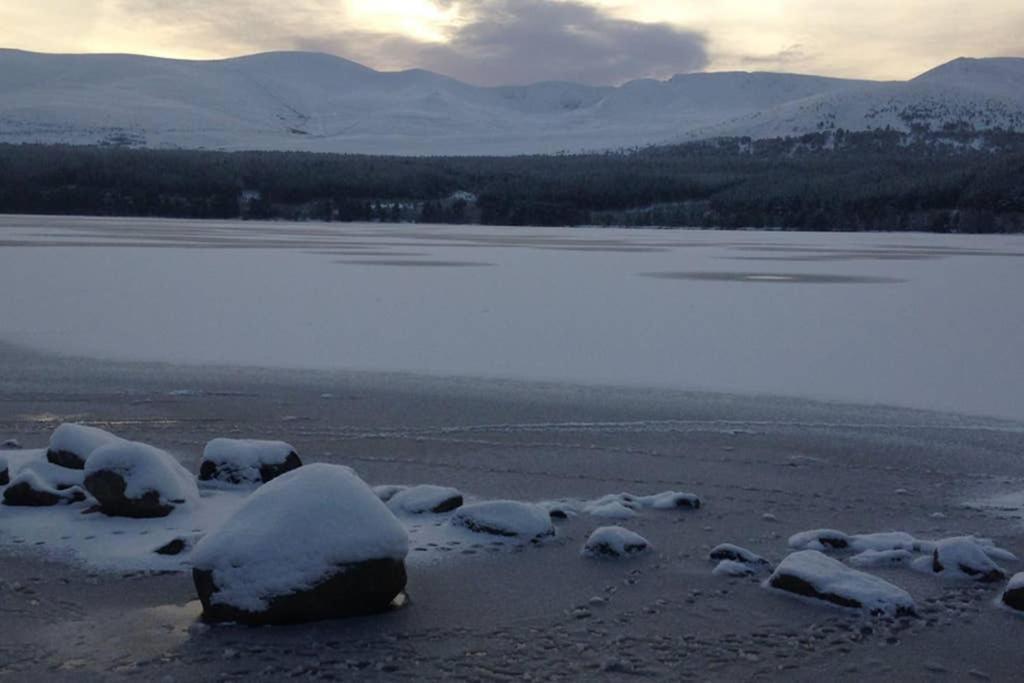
(317, 102)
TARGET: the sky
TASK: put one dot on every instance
(492, 42)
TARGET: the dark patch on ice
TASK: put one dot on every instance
(404, 263)
(773, 278)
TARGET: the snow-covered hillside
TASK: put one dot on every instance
(317, 102)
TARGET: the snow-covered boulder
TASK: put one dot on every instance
(30, 488)
(315, 543)
(417, 500)
(10, 445)
(965, 557)
(72, 444)
(246, 461)
(883, 559)
(130, 479)
(819, 539)
(611, 510)
(811, 574)
(734, 553)
(733, 568)
(887, 540)
(1013, 595)
(615, 541)
(387, 491)
(670, 500)
(505, 518)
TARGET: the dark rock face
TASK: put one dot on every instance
(5, 477)
(209, 470)
(354, 590)
(1014, 598)
(24, 494)
(173, 547)
(72, 461)
(794, 584)
(448, 504)
(727, 551)
(557, 513)
(608, 550)
(108, 490)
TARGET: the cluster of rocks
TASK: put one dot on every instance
(810, 572)
(123, 478)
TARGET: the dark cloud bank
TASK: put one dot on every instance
(503, 41)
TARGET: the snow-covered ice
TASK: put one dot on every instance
(811, 574)
(295, 530)
(813, 340)
(614, 541)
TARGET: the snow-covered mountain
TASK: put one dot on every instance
(318, 102)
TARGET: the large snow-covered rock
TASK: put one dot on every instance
(246, 461)
(130, 479)
(811, 574)
(505, 518)
(417, 500)
(1013, 594)
(615, 541)
(71, 444)
(965, 557)
(315, 543)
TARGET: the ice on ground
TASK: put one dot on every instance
(734, 553)
(819, 539)
(72, 444)
(615, 541)
(505, 518)
(143, 469)
(733, 568)
(961, 557)
(424, 498)
(294, 531)
(811, 574)
(882, 559)
(245, 461)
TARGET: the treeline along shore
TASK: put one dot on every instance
(940, 181)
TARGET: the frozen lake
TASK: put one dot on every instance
(927, 321)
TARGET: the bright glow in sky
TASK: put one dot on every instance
(492, 41)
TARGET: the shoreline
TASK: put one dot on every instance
(766, 468)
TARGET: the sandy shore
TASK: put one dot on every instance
(765, 467)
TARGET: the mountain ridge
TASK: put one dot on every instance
(310, 101)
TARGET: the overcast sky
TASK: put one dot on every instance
(519, 41)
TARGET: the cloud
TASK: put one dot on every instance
(521, 41)
(495, 42)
